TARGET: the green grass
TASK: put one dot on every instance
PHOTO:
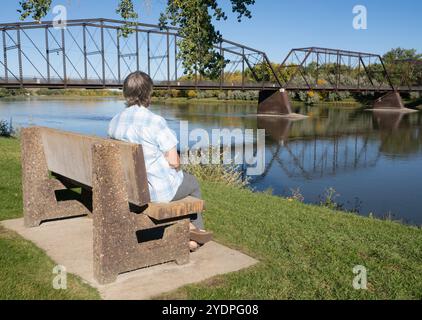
(305, 252)
(26, 272)
(10, 179)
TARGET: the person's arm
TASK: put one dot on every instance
(167, 143)
(173, 158)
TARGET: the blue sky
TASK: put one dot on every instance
(279, 25)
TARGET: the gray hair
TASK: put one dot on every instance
(137, 89)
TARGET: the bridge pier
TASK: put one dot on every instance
(276, 103)
(391, 102)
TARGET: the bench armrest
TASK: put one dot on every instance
(175, 209)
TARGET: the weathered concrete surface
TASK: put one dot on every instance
(274, 102)
(119, 244)
(39, 201)
(391, 102)
(69, 243)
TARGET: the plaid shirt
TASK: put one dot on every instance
(141, 126)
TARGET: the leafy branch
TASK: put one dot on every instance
(36, 9)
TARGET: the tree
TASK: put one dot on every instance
(398, 54)
(398, 64)
(193, 17)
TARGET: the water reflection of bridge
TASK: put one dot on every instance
(313, 157)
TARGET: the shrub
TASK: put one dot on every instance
(333, 96)
(292, 95)
(174, 93)
(78, 92)
(338, 96)
(344, 95)
(159, 93)
(254, 95)
(238, 95)
(247, 96)
(297, 195)
(302, 96)
(13, 92)
(309, 97)
(4, 93)
(222, 96)
(329, 199)
(192, 94)
(6, 128)
(229, 174)
(213, 93)
(201, 95)
(230, 95)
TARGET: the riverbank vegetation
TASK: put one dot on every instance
(305, 251)
(412, 100)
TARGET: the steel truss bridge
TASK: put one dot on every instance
(92, 54)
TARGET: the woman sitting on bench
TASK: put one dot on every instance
(137, 124)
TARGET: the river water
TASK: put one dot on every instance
(372, 160)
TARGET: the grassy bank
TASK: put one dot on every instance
(306, 252)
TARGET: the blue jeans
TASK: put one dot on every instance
(190, 187)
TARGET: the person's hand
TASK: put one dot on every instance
(173, 158)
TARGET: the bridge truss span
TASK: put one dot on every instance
(324, 69)
(91, 53)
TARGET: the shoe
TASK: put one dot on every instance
(201, 237)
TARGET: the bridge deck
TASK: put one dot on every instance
(163, 85)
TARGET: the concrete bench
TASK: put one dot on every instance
(130, 232)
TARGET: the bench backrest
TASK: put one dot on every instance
(70, 155)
